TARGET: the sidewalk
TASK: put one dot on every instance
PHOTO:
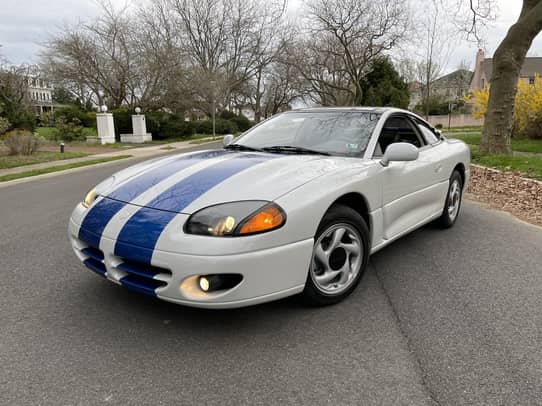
(140, 152)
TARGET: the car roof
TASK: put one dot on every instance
(367, 109)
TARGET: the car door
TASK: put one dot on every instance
(409, 189)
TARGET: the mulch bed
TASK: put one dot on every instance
(508, 192)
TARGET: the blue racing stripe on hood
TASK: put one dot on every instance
(139, 184)
(140, 234)
(96, 220)
(103, 211)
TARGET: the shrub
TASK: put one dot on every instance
(4, 125)
(68, 130)
(176, 127)
(21, 142)
(88, 119)
(25, 120)
(221, 126)
(439, 126)
(203, 126)
(69, 113)
(527, 108)
(123, 121)
(47, 119)
(225, 127)
(226, 115)
(242, 122)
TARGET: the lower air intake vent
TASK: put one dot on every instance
(143, 278)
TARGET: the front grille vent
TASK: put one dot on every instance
(143, 278)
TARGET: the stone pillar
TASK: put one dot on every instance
(139, 128)
(106, 127)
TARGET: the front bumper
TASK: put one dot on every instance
(268, 274)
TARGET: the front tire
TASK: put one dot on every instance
(340, 257)
(453, 201)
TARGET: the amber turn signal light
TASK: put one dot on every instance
(268, 218)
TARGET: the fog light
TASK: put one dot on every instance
(204, 283)
(211, 283)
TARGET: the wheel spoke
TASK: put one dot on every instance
(322, 255)
(336, 238)
(327, 276)
(352, 248)
(345, 271)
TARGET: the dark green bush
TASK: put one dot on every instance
(226, 115)
(242, 122)
(68, 113)
(221, 126)
(176, 127)
(89, 119)
(123, 121)
(439, 126)
(26, 120)
(203, 126)
(68, 131)
(225, 127)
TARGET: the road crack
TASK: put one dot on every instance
(410, 347)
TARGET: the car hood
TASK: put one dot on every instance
(188, 182)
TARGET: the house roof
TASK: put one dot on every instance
(531, 66)
(453, 78)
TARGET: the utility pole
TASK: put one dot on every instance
(214, 107)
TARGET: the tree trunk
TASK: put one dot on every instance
(507, 63)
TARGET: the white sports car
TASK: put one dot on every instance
(294, 205)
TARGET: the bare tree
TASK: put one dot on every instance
(342, 39)
(435, 45)
(227, 42)
(95, 57)
(14, 97)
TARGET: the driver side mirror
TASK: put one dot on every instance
(228, 138)
(439, 134)
(400, 152)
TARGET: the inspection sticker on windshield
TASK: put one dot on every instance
(352, 147)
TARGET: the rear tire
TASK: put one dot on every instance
(452, 204)
(340, 257)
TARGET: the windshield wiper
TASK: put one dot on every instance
(293, 150)
(240, 147)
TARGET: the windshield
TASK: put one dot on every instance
(334, 133)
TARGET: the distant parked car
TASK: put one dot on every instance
(294, 206)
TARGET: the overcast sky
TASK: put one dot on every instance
(25, 24)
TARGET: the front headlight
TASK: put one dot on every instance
(236, 219)
(90, 197)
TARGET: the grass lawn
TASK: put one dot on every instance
(12, 161)
(57, 168)
(462, 129)
(530, 167)
(520, 145)
(193, 137)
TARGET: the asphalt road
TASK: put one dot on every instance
(442, 317)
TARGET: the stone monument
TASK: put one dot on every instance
(106, 127)
(139, 128)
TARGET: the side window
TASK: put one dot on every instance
(428, 134)
(397, 129)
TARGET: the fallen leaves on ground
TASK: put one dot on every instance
(508, 192)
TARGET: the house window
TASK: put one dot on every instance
(531, 80)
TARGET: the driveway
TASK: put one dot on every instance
(442, 317)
